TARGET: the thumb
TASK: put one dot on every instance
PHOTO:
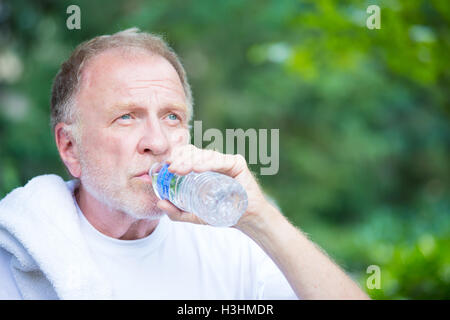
(176, 214)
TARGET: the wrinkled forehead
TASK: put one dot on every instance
(127, 74)
(115, 67)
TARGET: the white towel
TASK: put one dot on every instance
(39, 225)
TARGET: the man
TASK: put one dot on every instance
(119, 104)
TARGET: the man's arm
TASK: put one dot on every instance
(311, 274)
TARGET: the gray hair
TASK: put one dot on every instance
(67, 82)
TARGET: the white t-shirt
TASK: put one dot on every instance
(177, 261)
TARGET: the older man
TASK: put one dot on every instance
(119, 104)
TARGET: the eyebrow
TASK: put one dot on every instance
(117, 108)
(182, 108)
(121, 106)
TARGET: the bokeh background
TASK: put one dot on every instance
(363, 114)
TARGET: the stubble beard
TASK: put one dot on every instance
(119, 192)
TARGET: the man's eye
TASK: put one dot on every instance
(125, 116)
(173, 116)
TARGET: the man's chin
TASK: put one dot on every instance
(154, 216)
(144, 206)
(144, 212)
(137, 199)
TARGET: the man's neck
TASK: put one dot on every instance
(113, 223)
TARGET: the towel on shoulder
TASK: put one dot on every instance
(39, 226)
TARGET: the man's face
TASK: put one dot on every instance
(132, 112)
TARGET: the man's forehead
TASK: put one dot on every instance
(119, 74)
(120, 65)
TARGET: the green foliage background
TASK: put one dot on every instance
(363, 114)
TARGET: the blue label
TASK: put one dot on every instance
(163, 182)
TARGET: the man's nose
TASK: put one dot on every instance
(154, 139)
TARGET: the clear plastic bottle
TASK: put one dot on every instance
(217, 199)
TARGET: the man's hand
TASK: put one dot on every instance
(187, 158)
(311, 274)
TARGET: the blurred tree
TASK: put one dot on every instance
(363, 114)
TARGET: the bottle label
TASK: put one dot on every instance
(164, 181)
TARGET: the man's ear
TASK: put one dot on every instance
(68, 148)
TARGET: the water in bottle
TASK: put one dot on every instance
(217, 199)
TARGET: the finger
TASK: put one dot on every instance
(174, 154)
(179, 152)
(190, 158)
(185, 161)
(167, 206)
(231, 165)
(176, 214)
(179, 159)
(204, 160)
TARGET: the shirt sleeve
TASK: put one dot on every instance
(8, 287)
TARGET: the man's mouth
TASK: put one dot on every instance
(144, 176)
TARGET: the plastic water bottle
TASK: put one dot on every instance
(217, 199)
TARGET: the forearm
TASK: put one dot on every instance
(311, 274)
